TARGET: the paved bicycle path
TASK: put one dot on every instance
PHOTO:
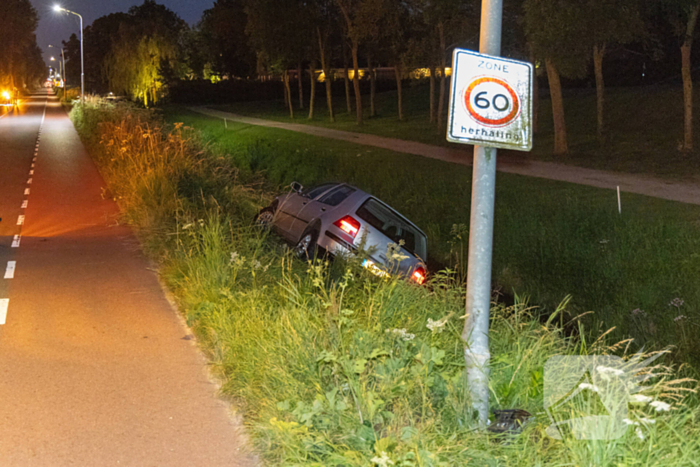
(96, 368)
(684, 192)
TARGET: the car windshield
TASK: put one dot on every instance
(315, 191)
(394, 226)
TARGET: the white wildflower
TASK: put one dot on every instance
(677, 302)
(394, 253)
(383, 461)
(187, 226)
(679, 318)
(640, 398)
(604, 370)
(603, 242)
(590, 387)
(236, 259)
(639, 433)
(436, 326)
(629, 422)
(647, 421)
(407, 336)
(256, 264)
(660, 406)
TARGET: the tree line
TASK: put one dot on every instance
(143, 50)
(21, 63)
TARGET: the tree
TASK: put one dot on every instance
(556, 29)
(609, 22)
(146, 52)
(683, 16)
(361, 21)
(449, 21)
(326, 22)
(281, 31)
(134, 65)
(18, 22)
(98, 41)
(222, 32)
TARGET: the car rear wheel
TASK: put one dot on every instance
(306, 246)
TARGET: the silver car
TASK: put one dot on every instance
(337, 217)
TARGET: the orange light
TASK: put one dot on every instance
(348, 225)
(419, 275)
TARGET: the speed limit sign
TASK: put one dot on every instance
(490, 101)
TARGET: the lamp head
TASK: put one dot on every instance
(57, 8)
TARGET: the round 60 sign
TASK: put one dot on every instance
(490, 101)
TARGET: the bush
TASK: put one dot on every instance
(334, 366)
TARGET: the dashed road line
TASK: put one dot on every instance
(20, 220)
(26, 191)
(15, 241)
(10, 270)
(4, 303)
(24, 204)
(29, 181)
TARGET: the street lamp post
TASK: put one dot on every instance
(82, 62)
(63, 67)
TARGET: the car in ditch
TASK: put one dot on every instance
(344, 220)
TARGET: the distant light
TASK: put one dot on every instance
(57, 8)
(52, 59)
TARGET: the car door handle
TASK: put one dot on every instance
(323, 209)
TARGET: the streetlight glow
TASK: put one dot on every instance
(57, 8)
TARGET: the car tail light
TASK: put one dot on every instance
(418, 275)
(348, 225)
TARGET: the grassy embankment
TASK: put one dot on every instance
(645, 127)
(333, 366)
(551, 239)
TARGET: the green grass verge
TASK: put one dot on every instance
(551, 238)
(330, 365)
(645, 127)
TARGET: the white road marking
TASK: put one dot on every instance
(29, 181)
(32, 165)
(15, 241)
(4, 303)
(20, 220)
(10, 270)
(26, 191)
(24, 204)
(31, 172)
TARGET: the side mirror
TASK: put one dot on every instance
(296, 186)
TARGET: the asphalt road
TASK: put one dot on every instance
(96, 368)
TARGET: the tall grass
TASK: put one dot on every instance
(330, 365)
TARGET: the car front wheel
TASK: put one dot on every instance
(265, 217)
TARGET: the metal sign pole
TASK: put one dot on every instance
(476, 326)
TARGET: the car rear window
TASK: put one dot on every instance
(337, 196)
(393, 225)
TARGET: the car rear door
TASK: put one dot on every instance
(316, 208)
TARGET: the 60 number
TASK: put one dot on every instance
(484, 103)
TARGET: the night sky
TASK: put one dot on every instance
(56, 27)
